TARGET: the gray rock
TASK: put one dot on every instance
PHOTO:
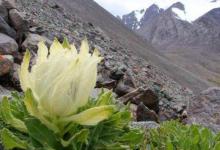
(118, 73)
(4, 12)
(9, 4)
(6, 29)
(32, 41)
(122, 89)
(6, 65)
(3, 92)
(95, 92)
(15, 77)
(125, 85)
(142, 95)
(143, 113)
(17, 20)
(204, 109)
(145, 125)
(7, 45)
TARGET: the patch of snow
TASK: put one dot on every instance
(193, 8)
(180, 14)
(139, 14)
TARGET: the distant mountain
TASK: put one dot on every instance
(133, 19)
(123, 38)
(192, 44)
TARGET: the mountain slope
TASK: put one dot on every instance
(124, 37)
(194, 46)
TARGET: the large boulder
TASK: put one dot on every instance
(17, 20)
(32, 41)
(125, 85)
(6, 29)
(7, 45)
(205, 109)
(6, 65)
(143, 113)
(9, 4)
(3, 12)
(142, 95)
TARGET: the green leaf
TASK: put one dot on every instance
(66, 43)
(17, 106)
(111, 146)
(10, 141)
(105, 99)
(132, 136)
(42, 134)
(196, 139)
(92, 116)
(169, 145)
(9, 118)
(217, 146)
(80, 137)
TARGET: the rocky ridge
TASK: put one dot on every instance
(192, 45)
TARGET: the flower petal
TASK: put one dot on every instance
(23, 72)
(96, 52)
(84, 49)
(32, 107)
(92, 116)
(55, 48)
(42, 52)
(73, 49)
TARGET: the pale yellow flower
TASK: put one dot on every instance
(61, 81)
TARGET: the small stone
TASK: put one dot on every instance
(9, 57)
(118, 73)
(14, 76)
(17, 20)
(95, 92)
(4, 12)
(204, 109)
(142, 95)
(7, 45)
(37, 30)
(6, 65)
(9, 4)
(144, 124)
(122, 89)
(32, 41)
(103, 80)
(6, 29)
(145, 114)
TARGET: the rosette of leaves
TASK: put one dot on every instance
(173, 135)
(56, 113)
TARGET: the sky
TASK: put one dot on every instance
(194, 8)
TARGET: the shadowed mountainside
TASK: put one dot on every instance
(92, 12)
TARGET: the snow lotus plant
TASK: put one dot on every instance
(56, 112)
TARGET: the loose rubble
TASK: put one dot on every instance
(204, 109)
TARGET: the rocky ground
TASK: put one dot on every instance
(23, 23)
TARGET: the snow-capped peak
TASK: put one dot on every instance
(181, 14)
(139, 14)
